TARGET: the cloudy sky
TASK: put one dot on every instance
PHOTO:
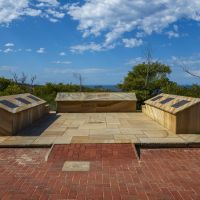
(101, 39)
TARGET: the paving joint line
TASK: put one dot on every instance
(25, 146)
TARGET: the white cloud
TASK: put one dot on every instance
(113, 18)
(186, 61)
(8, 50)
(41, 50)
(11, 10)
(140, 34)
(91, 47)
(6, 69)
(139, 60)
(53, 20)
(86, 47)
(90, 70)
(130, 43)
(135, 61)
(32, 12)
(49, 2)
(62, 62)
(190, 63)
(9, 45)
(173, 33)
(62, 54)
(55, 13)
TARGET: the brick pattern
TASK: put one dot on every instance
(92, 152)
(116, 173)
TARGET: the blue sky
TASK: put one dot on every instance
(100, 39)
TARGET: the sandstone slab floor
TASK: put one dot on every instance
(73, 128)
(115, 173)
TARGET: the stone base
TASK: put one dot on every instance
(95, 106)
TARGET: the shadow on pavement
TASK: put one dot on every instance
(38, 127)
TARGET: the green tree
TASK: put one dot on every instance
(13, 89)
(136, 82)
(4, 83)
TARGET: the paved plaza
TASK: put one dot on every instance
(115, 173)
(92, 156)
(96, 128)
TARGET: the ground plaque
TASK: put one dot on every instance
(75, 166)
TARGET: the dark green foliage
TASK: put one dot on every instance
(157, 76)
(136, 79)
(158, 81)
(4, 83)
(174, 88)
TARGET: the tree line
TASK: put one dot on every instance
(146, 79)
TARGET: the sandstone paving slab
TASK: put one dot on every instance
(3, 138)
(56, 129)
(116, 115)
(93, 126)
(12, 138)
(67, 122)
(124, 123)
(125, 137)
(18, 142)
(52, 133)
(87, 140)
(104, 131)
(110, 125)
(137, 116)
(96, 120)
(190, 137)
(166, 140)
(76, 166)
(77, 132)
(135, 141)
(101, 137)
(147, 125)
(112, 120)
(122, 141)
(158, 133)
(63, 140)
(141, 136)
(131, 131)
(45, 140)
(77, 122)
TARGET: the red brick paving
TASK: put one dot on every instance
(93, 152)
(115, 173)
